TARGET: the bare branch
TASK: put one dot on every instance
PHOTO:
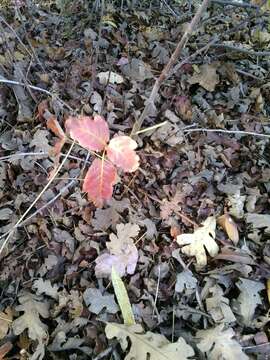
(239, 132)
(241, 50)
(236, 4)
(166, 70)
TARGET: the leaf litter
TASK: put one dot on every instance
(183, 215)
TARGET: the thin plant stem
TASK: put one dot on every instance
(5, 242)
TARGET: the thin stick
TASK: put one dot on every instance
(18, 155)
(5, 242)
(61, 192)
(12, 82)
(173, 323)
(206, 47)
(236, 4)
(242, 72)
(27, 39)
(151, 128)
(94, 68)
(187, 59)
(14, 156)
(169, 8)
(241, 50)
(166, 70)
(16, 35)
(157, 290)
(240, 132)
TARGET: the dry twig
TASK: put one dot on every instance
(239, 132)
(6, 240)
(165, 72)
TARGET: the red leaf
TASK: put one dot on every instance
(99, 181)
(91, 133)
(121, 152)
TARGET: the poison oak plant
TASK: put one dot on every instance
(93, 134)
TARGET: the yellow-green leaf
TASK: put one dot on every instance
(122, 298)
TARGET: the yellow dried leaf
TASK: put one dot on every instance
(202, 238)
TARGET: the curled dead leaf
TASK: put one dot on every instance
(227, 223)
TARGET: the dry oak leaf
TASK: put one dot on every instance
(217, 343)
(123, 254)
(45, 287)
(149, 346)
(248, 300)
(218, 306)
(202, 238)
(90, 132)
(104, 218)
(99, 181)
(96, 301)
(121, 152)
(33, 307)
(5, 322)
(207, 77)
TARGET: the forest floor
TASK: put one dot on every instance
(189, 231)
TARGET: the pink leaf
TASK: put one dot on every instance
(91, 133)
(99, 181)
(121, 152)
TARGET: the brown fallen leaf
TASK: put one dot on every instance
(53, 125)
(183, 107)
(235, 256)
(207, 77)
(227, 223)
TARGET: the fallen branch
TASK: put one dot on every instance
(242, 72)
(22, 218)
(12, 82)
(166, 70)
(239, 132)
(241, 50)
(236, 4)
